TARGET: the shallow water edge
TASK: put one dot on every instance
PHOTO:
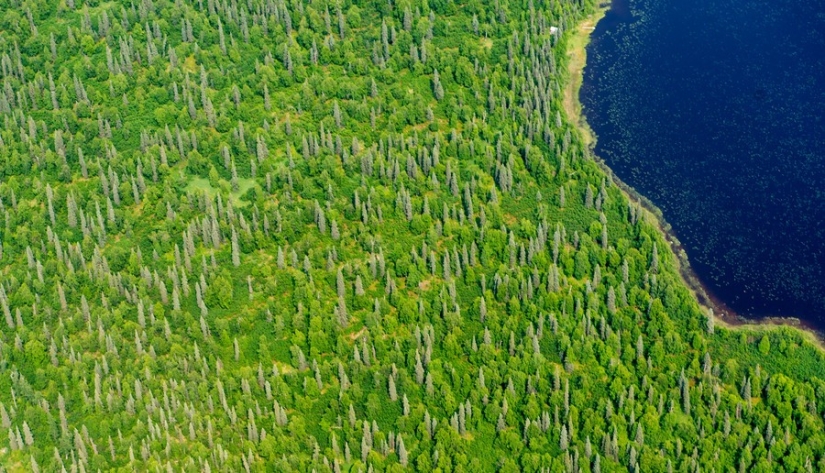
(723, 314)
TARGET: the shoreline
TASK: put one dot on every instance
(577, 60)
(722, 314)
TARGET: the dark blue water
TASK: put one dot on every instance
(715, 111)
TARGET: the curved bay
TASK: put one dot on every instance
(716, 112)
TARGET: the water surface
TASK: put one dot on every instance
(715, 111)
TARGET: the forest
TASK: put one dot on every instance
(348, 236)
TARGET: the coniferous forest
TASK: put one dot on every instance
(306, 235)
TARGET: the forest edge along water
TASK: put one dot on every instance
(577, 59)
(723, 314)
(712, 110)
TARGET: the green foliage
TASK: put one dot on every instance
(297, 236)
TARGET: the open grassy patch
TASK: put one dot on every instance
(577, 57)
(200, 184)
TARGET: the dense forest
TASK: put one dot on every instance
(305, 235)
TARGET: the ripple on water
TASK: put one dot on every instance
(715, 110)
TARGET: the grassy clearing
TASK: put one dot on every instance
(577, 59)
(200, 184)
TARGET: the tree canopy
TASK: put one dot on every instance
(272, 235)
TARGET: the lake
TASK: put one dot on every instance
(715, 111)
